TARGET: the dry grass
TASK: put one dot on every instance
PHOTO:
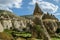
(5, 36)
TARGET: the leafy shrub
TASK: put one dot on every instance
(18, 34)
(38, 28)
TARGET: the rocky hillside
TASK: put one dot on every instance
(39, 25)
(8, 20)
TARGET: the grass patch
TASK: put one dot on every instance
(18, 34)
(55, 38)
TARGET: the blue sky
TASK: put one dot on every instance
(26, 7)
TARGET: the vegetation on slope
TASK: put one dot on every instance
(5, 36)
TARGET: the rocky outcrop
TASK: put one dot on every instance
(8, 20)
(7, 24)
(48, 24)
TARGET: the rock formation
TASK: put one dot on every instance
(37, 10)
(9, 20)
(48, 23)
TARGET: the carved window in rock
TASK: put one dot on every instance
(7, 24)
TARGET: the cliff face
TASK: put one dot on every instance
(8, 20)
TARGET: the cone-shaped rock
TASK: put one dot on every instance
(37, 10)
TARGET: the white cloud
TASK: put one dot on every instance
(46, 6)
(34, 1)
(56, 14)
(57, 1)
(8, 4)
(5, 8)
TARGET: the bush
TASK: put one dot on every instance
(17, 34)
(38, 28)
(21, 34)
